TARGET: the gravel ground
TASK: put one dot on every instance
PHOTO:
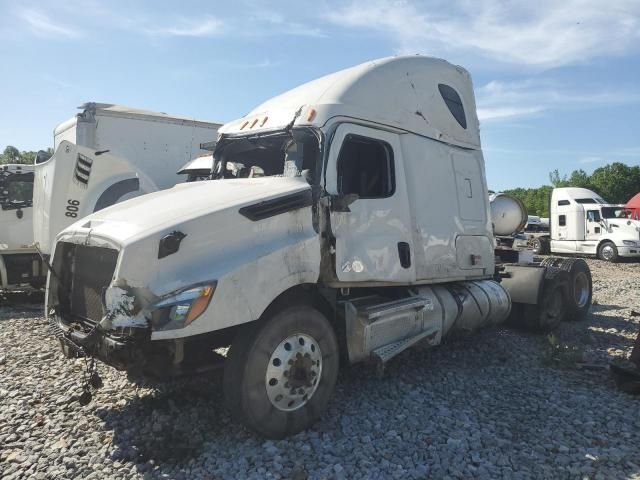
(493, 405)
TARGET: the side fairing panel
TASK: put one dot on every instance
(447, 193)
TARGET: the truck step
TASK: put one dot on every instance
(387, 352)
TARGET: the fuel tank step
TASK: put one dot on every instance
(387, 352)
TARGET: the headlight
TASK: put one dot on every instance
(630, 243)
(179, 309)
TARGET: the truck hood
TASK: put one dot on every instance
(165, 210)
(632, 227)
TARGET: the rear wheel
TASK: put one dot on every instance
(580, 288)
(549, 312)
(539, 245)
(536, 245)
(608, 252)
(280, 373)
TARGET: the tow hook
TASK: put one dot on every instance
(91, 382)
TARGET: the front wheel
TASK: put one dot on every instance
(608, 252)
(280, 373)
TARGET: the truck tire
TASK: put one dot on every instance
(608, 252)
(580, 288)
(280, 373)
(550, 311)
(552, 262)
(539, 245)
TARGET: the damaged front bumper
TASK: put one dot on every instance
(124, 349)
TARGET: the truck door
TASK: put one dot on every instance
(370, 217)
(593, 226)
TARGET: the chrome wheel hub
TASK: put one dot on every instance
(293, 372)
(607, 252)
(581, 289)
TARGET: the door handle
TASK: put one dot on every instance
(404, 253)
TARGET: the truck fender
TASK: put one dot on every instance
(523, 283)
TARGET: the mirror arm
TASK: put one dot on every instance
(340, 203)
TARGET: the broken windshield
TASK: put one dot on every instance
(265, 156)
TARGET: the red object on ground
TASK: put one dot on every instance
(633, 205)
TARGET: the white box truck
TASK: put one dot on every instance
(347, 220)
(583, 223)
(106, 154)
(20, 265)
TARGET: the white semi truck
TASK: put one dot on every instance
(20, 265)
(346, 220)
(106, 154)
(583, 223)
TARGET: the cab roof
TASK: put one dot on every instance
(403, 92)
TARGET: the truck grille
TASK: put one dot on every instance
(86, 272)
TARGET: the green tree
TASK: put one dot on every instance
(616, 182)
(579, 178)
(11, 155)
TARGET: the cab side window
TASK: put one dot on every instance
(593, 215)
(365, 168)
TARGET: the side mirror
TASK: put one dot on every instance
(42, 156)
(340, 203)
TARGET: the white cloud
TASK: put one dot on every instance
(541, 34)
(270, 22)
(591, 159)
(500, 100)
(187, 27)
(41, 25)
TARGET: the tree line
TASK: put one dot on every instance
(615, 182)
(12, 155)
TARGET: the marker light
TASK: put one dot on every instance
(311, 115)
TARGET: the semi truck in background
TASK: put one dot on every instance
(20, 265)
(106, 154)
(583, 223)
(316, 242)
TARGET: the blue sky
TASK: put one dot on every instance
(557, 82)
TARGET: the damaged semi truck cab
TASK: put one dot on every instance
(346, 218)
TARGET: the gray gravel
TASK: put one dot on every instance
(492, 405)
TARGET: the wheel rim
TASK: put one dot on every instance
(294, 372)
(536, 246)
(607, 252)
(581, 289)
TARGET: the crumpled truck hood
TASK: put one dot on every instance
(161, 211)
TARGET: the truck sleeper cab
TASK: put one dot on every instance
(583, 223)
(318, 239)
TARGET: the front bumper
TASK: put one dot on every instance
(626, 251)
(128, 351)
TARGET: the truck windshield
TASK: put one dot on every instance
(16, 190)
(273, 155)
(614, 212)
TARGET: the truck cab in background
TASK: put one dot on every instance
(583, 223)
(107, 154)
(20, 265)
